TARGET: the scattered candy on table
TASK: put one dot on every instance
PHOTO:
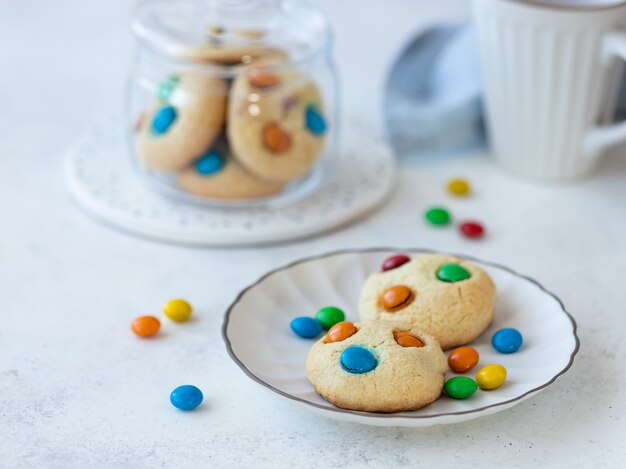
(491, 376)
(396, 298)
(460, 387)
(459, 187)
(463, 359)
(394, 262)
(306, 327)
(440, 216)
(340, 331)
(507, 340)
(437, 216)
(358, 360)
(329, 316)
(145, 326)
(452, 273)
(406, 339)
(177, 310)
(186, 397)
(472, 229)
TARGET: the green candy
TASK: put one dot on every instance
(167, 88)
(329, 316)
(438, 216)
(460, 387)
(452, 273)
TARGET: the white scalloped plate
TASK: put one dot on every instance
(258, 338)
(102, 181)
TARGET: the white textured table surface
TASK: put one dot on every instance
(77, 389)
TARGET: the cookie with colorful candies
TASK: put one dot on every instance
(377, 366)
(276, 123)
(184, 122)
(217, 175)
(450, 298)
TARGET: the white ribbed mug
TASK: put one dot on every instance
(551, 75)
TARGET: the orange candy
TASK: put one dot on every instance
(275, 139)
(145, 326)
(263, 80)
(406, 339)
(340, 331)
(395, 298)
(463, 359)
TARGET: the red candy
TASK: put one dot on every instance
(472, 229)
(394, 262)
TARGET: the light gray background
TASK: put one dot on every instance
(77, 389)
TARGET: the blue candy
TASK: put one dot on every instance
(507, 340)
(186, 397)
(315, 121)
(209, 163)
(305, 327)
(358, 360)
(163, 119)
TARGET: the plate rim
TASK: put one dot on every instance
(231, 230)
(377, 415)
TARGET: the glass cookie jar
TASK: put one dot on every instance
(232, 102)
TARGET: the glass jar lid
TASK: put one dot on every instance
(230, 32)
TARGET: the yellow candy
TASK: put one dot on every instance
(491, 376)
(177, 310)
(459, 187)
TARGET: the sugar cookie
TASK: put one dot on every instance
(378, 366)
(450, 298)
(184, 123)
(229, 55)
(218, 175)
(276, 124)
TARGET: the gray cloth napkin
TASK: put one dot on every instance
(433, 94)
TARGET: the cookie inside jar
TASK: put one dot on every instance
(232, 102)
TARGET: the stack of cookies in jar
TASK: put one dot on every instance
(240, 123)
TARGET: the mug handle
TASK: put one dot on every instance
(601, 137)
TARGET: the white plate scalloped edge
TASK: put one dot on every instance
(284, 373)
(102, 181)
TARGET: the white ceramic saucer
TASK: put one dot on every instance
(102, 181)
(258, 338)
